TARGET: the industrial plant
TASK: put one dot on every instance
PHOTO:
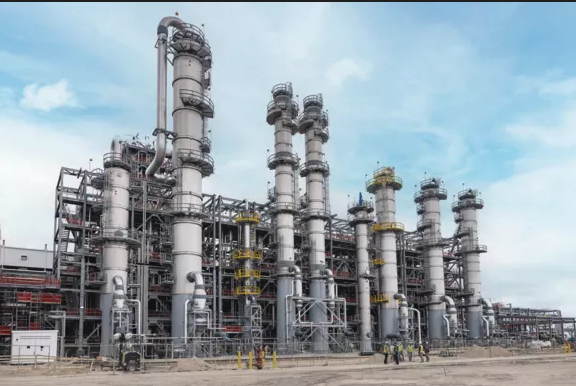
(141, 249)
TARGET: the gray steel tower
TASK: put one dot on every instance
(282, 112)
(192, 105)
(361, 218)
(428, 206)
(384, 185)
(313, 123)
(465, 213)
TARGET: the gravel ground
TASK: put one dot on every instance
(551, 370)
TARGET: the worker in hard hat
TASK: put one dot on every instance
(395, 353)
(401, 352)
(385, 352)
(427, 351)
(410, 350)
(421, 351)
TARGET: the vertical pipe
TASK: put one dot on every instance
(214, 263)
(144, 279)
(429, 196)
(361, 219)
(281, 113)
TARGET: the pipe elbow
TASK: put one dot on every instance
(169, 21)
(330, 275)
(402, 299)
(449, 302)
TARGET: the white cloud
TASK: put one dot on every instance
(345, 69)
(49, 97)
(560, 134)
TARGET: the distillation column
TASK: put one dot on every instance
(116, 237)
(245, 259)
(313, 123)
(282, 112)
(361, 212)
(192, 105)
(384, 185)
(465, 213)
(428, 206)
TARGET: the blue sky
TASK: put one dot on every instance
(481, 94)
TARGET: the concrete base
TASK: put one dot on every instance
(436, 325)
(366, 347)
(178, 317)
(388, 322)
(474, 324)
(106, 328)
(318, 314)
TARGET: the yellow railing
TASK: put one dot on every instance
(378, 261)
(392, 181)
(248, 216)
(379, 298)
(247, 273)
(388, 226)
(385, 171)
(246, 254)
(247, 290)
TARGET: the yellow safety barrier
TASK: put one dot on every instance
(247, 290)
(263, 358)
(247, 273)
(250, 360)
(274, 360)
(388, 226)
(379, 298)
(247, 217)
(246, 254)
(239, 360)
(378, 261)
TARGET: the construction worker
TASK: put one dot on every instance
(395, 353)
(401, 352)
(410, 351)
(421, 352)
(385, 352)
(427, 351)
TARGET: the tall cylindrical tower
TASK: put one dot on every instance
(115, 235)
(428, 201)
(313, 123)
(465, 209)
(361, 218)
(384, 185)
(282, 112)
(246, 257)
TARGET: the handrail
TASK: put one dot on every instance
(430, 193)
(388, 226)
(392, 181)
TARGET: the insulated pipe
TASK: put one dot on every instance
(489, 313)
(186, 321)
(199, 289)
(139, 314)
(485, 319)
(419, 324)
(331, 287)
(403, 314)
(298, 286)
(161, 90)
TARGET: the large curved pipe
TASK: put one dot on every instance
(162, 86)
(199, 293)
(451, 311)
(119, 295)
(403, 314)
(298, 285)
(331, 287)
(489, 313)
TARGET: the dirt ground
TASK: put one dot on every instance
(550, 370)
